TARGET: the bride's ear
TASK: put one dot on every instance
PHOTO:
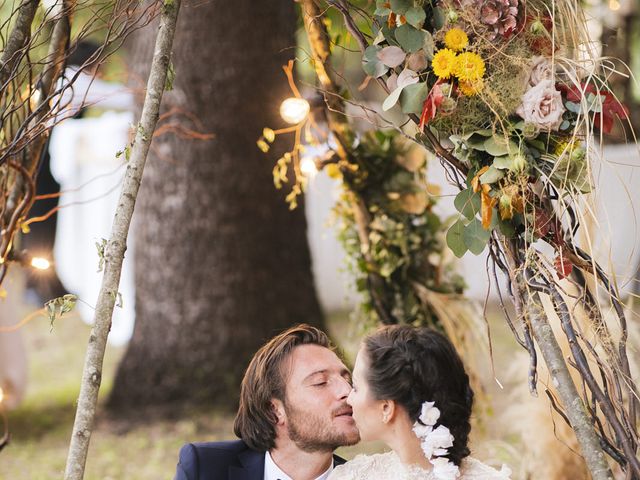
(278, 410)
(388, 410)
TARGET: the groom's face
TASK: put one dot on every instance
(316, 415)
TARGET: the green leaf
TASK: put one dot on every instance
(439, 18)
(412, 98)
(573, 107)
(475, 237)
(410, 39)
(491, 176)
(468, 203)
(401, 6)
(381, 10)
(455, 239)
(498, 146)
(506, 227)
(504, 163)
(416, 16)
(371, 64)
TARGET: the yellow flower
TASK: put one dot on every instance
(470, 89)
(469, 67)
(444, 63)
(456, 39)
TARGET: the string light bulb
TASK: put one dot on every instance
(1, 395)
(294, 110)
(614, 5)
(40, 263)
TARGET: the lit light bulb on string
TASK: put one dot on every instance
(614, 5)
(308, 166)
(294, 110)
(1, 395)
(40, 263)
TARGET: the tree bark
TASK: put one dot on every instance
(221, 263)
(114, 251)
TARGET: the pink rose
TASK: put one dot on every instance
(541, 69)
(542, 106)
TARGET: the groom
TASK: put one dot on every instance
(292, 416)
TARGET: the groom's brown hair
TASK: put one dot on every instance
(265, 380)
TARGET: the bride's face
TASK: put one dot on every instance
(367, 411)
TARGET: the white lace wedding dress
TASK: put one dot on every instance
(387, 466)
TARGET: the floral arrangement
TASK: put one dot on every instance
(496, 81)
(435, 443)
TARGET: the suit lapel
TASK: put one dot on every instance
(252, 466)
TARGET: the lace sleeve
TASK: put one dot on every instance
(473, 469)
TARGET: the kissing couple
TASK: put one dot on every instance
(299, 402)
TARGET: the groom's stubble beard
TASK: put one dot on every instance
(312, 433)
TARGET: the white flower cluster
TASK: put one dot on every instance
(435, 442)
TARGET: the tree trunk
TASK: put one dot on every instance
(221, 263)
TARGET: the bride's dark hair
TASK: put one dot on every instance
(411, 365)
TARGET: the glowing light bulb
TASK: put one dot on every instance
(308, 166)
(1, 395)
(614, 5)
(294, 110)
(40, 263)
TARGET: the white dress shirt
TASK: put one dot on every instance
(273, 472)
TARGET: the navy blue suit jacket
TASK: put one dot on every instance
(232, 460)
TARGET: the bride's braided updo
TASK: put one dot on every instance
(411, 365)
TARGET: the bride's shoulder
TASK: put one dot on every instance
(473, 469)
(362, 466)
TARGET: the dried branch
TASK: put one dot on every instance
(114, 251)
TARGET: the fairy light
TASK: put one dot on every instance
(294, 110)
(40, 263)
(614, 5)
(308, 166)
(1, 395)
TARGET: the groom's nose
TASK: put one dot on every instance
(343, 388)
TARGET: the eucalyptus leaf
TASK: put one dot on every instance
(428, 45)
(412, 98)
(492, 175)
(391, 56)
(410, 39)
(475, 237)
(392, 99)
(401, 6)
(439, 18)
(573, 107)
(455, 239)
(505, 162)
(468, 203)
(371, 64)
(499, 146)
(416, 16)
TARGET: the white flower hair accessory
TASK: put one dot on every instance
(435, 443)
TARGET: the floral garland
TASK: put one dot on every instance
(435, 443)
(498, 81)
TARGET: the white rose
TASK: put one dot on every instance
(437, 442)
(421, 431)
(542, 106)
(444, 469)
(429, 414)
(541, 69)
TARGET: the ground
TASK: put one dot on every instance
(41, 426)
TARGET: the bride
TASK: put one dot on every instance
(410, 391)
